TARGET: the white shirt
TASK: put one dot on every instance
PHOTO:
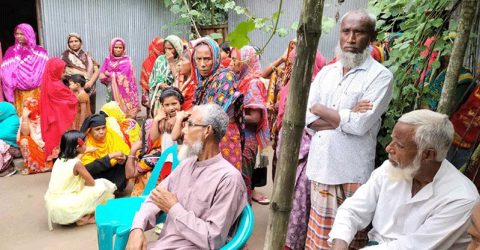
(437, 217)
(347, 154)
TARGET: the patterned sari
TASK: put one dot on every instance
(120, 80)
(31, 143)
(126, 128)
(82, 63)
(22, 68)
(221, 88)
(255, 94)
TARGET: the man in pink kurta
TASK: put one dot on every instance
(202, 198)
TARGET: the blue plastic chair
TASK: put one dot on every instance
(116, 216)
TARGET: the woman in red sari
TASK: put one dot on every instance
(155, 49)
(58, 105)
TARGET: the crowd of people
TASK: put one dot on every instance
(224, 109)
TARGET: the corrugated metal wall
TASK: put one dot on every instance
(291, 13)
(98, 21)
(138, 21)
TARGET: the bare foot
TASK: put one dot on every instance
(87, 219)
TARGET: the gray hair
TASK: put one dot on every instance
(215, 116)
(372, 19)
(434, 130)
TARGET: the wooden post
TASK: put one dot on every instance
(308, 35)
(467, 14)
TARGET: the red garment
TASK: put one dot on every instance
(466, 121)
(226, 62)
(154, 50)
(58, 105)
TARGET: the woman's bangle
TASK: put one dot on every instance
(132, 156)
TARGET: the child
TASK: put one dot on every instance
(73, 194)
(160, 130)
(76, 83)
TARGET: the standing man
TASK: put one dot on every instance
(342, 151)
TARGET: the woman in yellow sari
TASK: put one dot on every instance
(127, 128)
(106, 151)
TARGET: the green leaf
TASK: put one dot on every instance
(435, 65)
(276, 15)
(229, 5)
(294, 25)
(215, 36)
(282, 32)
(240, 10)
(239, 36)
(437, 22)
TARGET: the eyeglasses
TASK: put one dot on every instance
(191, 124)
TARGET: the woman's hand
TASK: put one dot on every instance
(25, 112)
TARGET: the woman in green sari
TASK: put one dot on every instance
(164, 71)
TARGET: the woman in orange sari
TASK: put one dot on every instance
(29, 139)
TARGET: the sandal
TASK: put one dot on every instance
(261, 199)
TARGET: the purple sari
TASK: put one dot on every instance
(23, 65)
(121, 80)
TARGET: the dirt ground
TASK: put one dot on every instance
(23, 219)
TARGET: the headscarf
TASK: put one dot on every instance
(117, 121)
(176, 43)
(186, 84)
(122, 78)
(9, 123)
(250, 66)
(58, 105)
(111, 143)
(78, 60)
(154, 51)
(214, 50)
(23, 65)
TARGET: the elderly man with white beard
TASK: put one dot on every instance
(203, 196)
(416, 199)
(342, 150)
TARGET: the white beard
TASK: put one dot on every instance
(187, 151)
(351, 60)
(404, 173)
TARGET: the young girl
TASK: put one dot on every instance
(73, 194)
(160, 130)
(76, 84)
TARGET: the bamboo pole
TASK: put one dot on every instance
(467, 14)
(308, 35)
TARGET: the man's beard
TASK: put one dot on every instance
(404, 173)
(187, 151)
(351, 60)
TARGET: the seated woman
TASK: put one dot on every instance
(108, 154)
(29, 139)
(127, 128)
(160, 131)
(9, 124)
(73, 194)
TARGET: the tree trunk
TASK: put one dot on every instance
(456, 59)
(308, 35)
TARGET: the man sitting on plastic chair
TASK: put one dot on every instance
(202, 198)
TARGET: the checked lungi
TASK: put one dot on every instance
(325, 201)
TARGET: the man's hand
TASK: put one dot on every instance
(164, 199)
(339, 245)
(136, 240)
(363, 106)
(316, 109)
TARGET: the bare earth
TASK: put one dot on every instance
(23, 218)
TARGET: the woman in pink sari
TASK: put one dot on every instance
(118, 75)
(22, 67)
